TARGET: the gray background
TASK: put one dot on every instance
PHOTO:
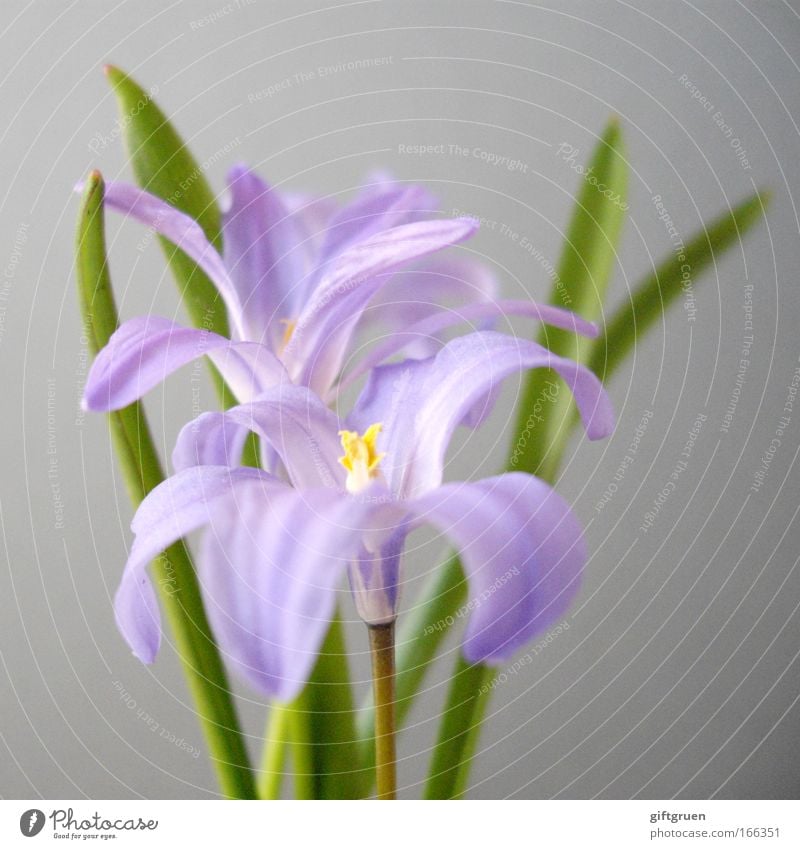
(678, 673)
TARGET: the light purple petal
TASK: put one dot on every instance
(183, 231)
(415, 293)
(265, 255)
(432, 325)
(146, 350)
(375, 574)
(270, 571)
(523, 553)
(211, 439)
(248, 368)
(376, 208)
(421, 402)
(176, 507)
(314, 213)
(291, 419)
(316, 350)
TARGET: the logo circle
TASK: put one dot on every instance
(31, 822)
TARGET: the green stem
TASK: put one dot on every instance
(381, 642)
(299, 715)
(173, 573)
(273, 763)
(463, 714)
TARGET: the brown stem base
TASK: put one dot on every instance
(381, 642)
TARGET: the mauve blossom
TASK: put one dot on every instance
(275, 549)
(300, 280)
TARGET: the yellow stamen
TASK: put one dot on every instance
(289, 326)
(360, 458)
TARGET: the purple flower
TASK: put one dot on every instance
(300, 280)
(274, 550)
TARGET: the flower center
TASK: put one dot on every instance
(360, 458)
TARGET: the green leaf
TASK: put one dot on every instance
(582, 278)
(583, 273)
(468, 696)
(164, 166)
(173, 572)
(581, 281)
(320, 727)
(656, 292)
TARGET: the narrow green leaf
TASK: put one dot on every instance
(580, 284)
(656, 292)
(173, 572)
(322, 728)
(583, 274)
(582, 278)
(164, 166)
(467, 699)
(452, 758)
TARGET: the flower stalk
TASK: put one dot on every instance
(381, 642)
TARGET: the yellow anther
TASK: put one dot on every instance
(288, 329)
(360, 458)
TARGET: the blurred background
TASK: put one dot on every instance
(676, 672)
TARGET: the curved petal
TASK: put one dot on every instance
(183, 231)
(416, 293)
(144, 351)
(523, 553)
(291, 419)
(269, 569)
(421, 402)
(315, 352)
(211, 439)
(176, 507)
(264, 253)
(432, 325)
(248, 368)
(380, 206)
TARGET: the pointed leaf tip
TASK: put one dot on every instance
(664, 284)
(164, 166)
(94, 179)
(114, 73)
